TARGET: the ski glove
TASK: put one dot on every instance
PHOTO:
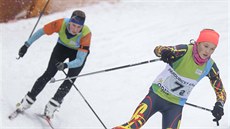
(168, 56)
(61, 66)
(23, 50)
(218, 111)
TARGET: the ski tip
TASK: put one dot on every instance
(14, 114)
(48, 120)
(10, 117)
(43, 116)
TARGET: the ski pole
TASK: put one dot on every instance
(85, 100)
(43, 10)
(203, 108)
(106, 70)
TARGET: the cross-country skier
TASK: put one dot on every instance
(73, 43)
(186, 66)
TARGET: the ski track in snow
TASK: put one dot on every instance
(123, 33)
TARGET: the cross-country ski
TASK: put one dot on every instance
(46, 119)
(14, 114)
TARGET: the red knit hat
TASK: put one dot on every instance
(208, 35)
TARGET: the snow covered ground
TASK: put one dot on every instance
(123, 33)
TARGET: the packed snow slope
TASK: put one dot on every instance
(123, 33)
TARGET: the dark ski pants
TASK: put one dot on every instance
(60, 54)
(152, 103)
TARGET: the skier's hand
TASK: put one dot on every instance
(217, 111)
(23, 50)
(167, 55)
(61, 66)
(157, 51)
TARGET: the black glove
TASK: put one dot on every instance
(218, 111)
(167, 56)
(61, 66)
(22, 50)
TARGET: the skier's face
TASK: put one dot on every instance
(74, 28)
(205, 49)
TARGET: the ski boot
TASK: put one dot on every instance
(25, 103)
(51, 107)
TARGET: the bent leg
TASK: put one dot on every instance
(51, 70)
(142, 113)
(65, 87)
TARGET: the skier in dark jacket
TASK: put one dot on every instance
(73, 43)
(186, 66)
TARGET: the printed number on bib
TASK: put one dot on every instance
(178, 86)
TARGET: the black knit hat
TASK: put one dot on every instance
(78, 13)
